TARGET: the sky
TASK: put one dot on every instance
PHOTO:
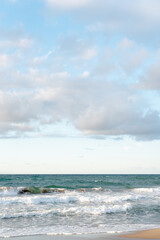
(79, 86)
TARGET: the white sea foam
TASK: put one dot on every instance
(13, 191)
(70, 230)
(8, 191)
(75, 210)
(80, 208)
(97, 210)
(10, 197)
(147, 190)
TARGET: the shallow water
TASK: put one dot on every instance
(78, 204)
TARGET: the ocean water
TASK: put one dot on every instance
(78, 204)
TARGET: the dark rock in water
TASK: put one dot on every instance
(24, 190)
(34, 190)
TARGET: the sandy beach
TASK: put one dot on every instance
(146, 234)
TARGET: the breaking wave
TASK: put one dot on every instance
(47, 204)
(87, 210)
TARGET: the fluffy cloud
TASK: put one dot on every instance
(151, 78)
(138, 19)
(70, 4)
(39, 90)
(77, 48)
(94, 107)
(124, 59)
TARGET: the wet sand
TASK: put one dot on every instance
(146, 234)
(66, 237)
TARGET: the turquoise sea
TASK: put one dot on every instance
(78, 204)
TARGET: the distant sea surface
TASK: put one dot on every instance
(78, 204)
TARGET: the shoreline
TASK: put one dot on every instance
(144, 234)
(94, 236)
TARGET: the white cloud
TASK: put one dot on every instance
(39, 90)
(85, 74)
(151, 78)
(133, 61)
(77, 48)
(123, 59)
(5, 61)
(89, 53)
(125, 43)
(139, 19)
(16, 43)
(40, 60)
(94, 107)
(69, 4)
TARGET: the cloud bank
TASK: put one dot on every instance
(137, 19)
(93, 102)
(101, 87)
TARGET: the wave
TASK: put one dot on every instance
(147, 190)
(74, 230)
(36, 190)
(71, 197)
(8, 191)
(11, 191)
(32, 195)
(76, 210)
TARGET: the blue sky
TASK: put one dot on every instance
(79, 86)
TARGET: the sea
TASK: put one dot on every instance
(78, 204)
